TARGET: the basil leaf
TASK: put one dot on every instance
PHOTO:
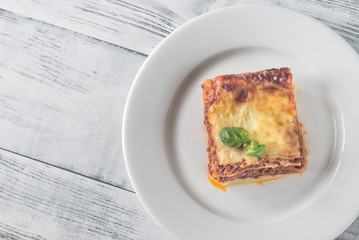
(255, 149)
(230, 137)
(244, 135)
(235, 137)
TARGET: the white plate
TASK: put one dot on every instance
(164, 139)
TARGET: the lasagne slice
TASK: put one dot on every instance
(263, 104)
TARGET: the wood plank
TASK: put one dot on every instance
(40, 72)
(138, 24)
(65, 92)
(38, 201)
(141, 25)
(62, 97)
(341, 15)
(351, 233)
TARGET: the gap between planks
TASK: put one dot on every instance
(49, 60)
(64, 169)
(38, 201)
(63, 96)
(77, 32)
(141, 25)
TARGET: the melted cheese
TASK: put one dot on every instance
(269, 117)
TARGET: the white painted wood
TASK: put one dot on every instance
(140, 25)
(64, 92)
(131, 24)
(62, 97)
(61, 100)
(351, 233)
(38, 201)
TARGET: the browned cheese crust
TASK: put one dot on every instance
(241, 85)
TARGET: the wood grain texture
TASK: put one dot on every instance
(62, 84)
(351, 233)
(61, 102)
(38, 201)
(62, 97)
(141, 25)
(131, 24)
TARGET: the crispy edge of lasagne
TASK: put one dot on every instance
(263, 103)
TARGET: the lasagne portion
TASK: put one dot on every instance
(263, 104)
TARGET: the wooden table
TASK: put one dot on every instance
(66, 67)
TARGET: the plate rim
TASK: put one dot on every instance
(153, 56)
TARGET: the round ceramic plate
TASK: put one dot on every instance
(164, 140)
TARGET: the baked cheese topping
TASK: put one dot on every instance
(270, 117)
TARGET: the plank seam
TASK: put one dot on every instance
(66, 29)
(68, 170)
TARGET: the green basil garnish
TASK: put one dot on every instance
(235, 137)
(239, 137)
(255, 149)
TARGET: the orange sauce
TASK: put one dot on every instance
(223, 187)
(261, 182)
(217, 184)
